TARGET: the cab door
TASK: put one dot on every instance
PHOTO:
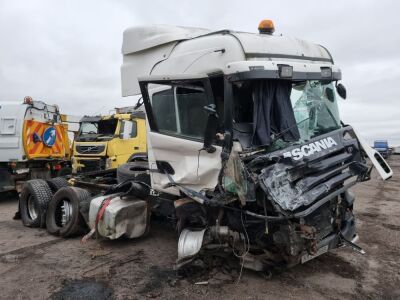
(177, 121)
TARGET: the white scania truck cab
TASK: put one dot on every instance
(244, 131)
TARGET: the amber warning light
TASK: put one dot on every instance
(28, 100)
(266, 27)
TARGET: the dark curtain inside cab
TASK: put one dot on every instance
(273, 112)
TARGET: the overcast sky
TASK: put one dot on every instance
(69, 52)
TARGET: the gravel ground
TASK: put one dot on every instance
(35, 265)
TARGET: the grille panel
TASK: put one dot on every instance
(90, 149)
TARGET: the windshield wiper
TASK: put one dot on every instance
(275, 137)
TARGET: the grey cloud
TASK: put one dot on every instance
(68, 51)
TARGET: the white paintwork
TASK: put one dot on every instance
(12, 117)
(122, 217)
(371, 152)
(140, 38)
(192, 170)
(244, 66)
(141, 63)
(167, 50)
(277, 44)
(11, 146)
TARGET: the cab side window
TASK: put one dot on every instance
(128, 129)
(180, 111)
(163, 105)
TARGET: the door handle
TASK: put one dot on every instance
(135, 148)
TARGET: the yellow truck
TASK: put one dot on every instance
(106, 142)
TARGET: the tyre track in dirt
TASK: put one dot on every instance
(380, 237)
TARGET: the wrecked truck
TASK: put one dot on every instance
(246, 148)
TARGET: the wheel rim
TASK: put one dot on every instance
(32, 209)
(66, 212)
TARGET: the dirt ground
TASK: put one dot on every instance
(36, 265)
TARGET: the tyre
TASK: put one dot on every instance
(134, 171)
(57, 183)
(34, 200)
(63, 217)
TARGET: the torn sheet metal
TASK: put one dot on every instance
(311, 171)
(290, 196)
(236, 177)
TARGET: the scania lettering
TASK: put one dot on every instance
(310, 149)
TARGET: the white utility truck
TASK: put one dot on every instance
(245, 138)
(33, 143)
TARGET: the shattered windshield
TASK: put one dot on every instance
(96, 130)
(315, 108)
(88, 128)
(272, 112)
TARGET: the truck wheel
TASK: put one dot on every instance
(63, 217)
(134, 171)
(35, 197)
(57, 183)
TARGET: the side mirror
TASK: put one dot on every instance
(341, 90)
(211, 128)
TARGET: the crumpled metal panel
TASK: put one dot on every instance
(307, 173)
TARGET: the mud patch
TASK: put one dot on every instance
(157, 277)
(83, 289)
(332, 263)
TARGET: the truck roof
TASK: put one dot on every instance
(169, 50)
(140, 38)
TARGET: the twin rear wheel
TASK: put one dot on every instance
(53, 204)
(63, 214)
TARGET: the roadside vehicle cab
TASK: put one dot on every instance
(106, 142)
(33, 142)
(382, 147)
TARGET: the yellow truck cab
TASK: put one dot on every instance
(106, 142)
